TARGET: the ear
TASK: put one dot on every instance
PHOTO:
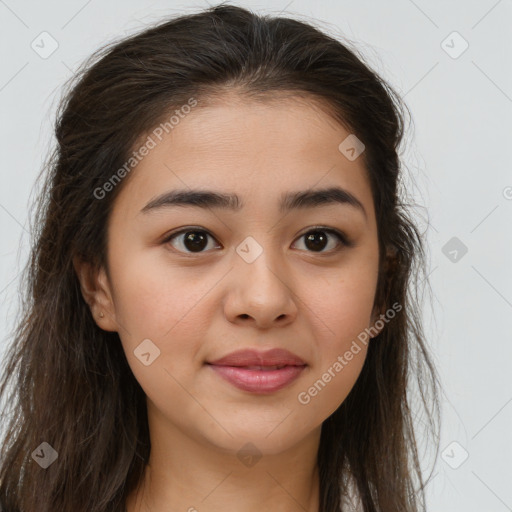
(96, 292)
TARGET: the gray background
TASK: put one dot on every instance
(459, 172)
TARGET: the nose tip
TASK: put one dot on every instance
(259, 293)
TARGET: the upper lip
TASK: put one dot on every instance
(252, 357)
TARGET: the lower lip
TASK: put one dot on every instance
(259, 381)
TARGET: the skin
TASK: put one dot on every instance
(199, 306)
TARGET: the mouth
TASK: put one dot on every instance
(258, 379)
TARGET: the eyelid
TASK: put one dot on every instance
(180, 231)
(344, 239)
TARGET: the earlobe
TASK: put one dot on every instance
(95, 289)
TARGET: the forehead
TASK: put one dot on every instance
(258, 149)
(266, 127)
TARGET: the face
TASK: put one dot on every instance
(189, 284)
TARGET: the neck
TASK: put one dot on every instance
(191, 475)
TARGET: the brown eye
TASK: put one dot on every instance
(190, 240)
(318, 239)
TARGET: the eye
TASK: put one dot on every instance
(316, 239)
(194, 240)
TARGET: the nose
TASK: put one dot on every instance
(260, 293)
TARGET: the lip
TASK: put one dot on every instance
(252, 357)
(259, 381)
(238, 369)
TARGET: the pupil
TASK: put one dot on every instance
(318, 240)
(195, 241)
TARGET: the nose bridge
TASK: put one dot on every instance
(260, 288)
(258, 260)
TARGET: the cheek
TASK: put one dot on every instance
(342, 303)
(335, 384)
(153, 299)
(341, 347)
(161, 306)
(341, 311)
(348, 313)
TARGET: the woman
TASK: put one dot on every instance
(218, 311)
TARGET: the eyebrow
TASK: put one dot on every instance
(288, 201)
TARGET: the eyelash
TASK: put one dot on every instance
(342, 238)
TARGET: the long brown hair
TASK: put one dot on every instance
(71, 385)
